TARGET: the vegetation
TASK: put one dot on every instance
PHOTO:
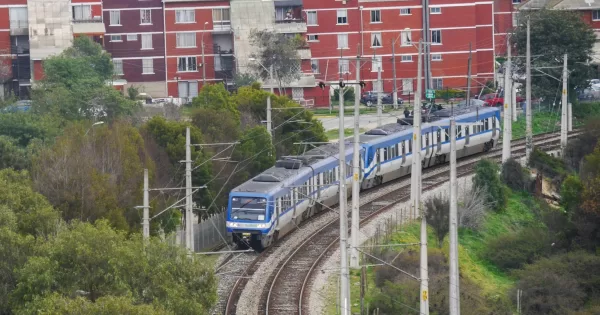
(437, 211)
(486, 178)
(515, 177)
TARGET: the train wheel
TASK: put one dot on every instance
(240, 242)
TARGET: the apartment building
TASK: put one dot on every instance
(338, 31)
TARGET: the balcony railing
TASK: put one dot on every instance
(223, 26)
(291, 20)
(88, 20)
(14, 24)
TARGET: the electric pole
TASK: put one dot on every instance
(507, 134)
(354, 230)
(146, 206)
(528, 123)
(344, 273)
(563, 120)
(570, 119)
(395, 94)
(468, 103)
(189, 232)
(416, 186)
(513, 98)
(379, 91)
(454, 272)
(269, 110)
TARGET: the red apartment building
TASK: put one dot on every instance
(339, 30)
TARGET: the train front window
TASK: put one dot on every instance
(248, 208)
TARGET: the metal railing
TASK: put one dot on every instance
(16, 24)
(88, 20)
(292, 20)
(211, 232)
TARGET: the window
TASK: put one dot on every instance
(115, 38)
(148, 66)
(342, 41)
(342, 16)
(18, 18)
(145, 16)
(406, 58)
(405, 11)
(436, 36)
(375, 16)
(146, 41)
(221, 16)
(406, 38)
(516, 1)
(185, 16)
(596, 15)
(344, 66)
(313, 38)
(118, 66)
(407, 86)
(314, 65)
(436, 57)
(515, 19)
(435, 10)
(185, 64)
(115, 18)
(311, 18)
(131, 37)
(438, 83)
(186, 40)
(82, 12)
(375, 39)
(376, 64)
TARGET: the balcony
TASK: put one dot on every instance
(221, 27)
(288, 17)
(290, 26)
(19, 27)
(304, 53)
(89, 26)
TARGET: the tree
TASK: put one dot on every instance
(549, 29)
(514, 176)
(11, 155)
(486, 178)
(437, 210)
(75, 84)
(570, 193)
(61, 305)
(512, 251)
(279, 51)
(96, 261)
(94, 173)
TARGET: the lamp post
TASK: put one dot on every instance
(93, 125)
(270, 71)
(203, 65)
(177, 78)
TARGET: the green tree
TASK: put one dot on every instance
(549, 28)
(486, 178)
(55, 304)
(11, 155)
(255, 152)
(437, 211)
(514, 176)
(512, 251)
(570, 193)
(96, 261)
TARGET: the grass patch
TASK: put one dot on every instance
(333, 134)
(542, 121)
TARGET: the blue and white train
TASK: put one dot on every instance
(274, 202)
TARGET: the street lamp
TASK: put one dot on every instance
(270, 70)
(94, 124)
(203, 65)
(177, 78)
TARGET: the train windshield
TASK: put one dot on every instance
(248, 208)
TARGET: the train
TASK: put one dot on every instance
(271, 204)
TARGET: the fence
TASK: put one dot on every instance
(208, 234)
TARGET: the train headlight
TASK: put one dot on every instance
(262, 226)
(232, 224)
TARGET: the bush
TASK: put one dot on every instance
(486, 177)
(515, 177)
(348, 94)
(437, 211)
(449, 93)
(549, 166)
(512, 251)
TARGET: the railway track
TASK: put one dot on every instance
(286, 285)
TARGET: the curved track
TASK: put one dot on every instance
(291, 276)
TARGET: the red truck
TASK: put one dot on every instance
(497, 99)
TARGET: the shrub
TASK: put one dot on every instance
(348, 94)
(472, 208)
(512, 251)
(486, 177)
(548, 165)
(437, 211)
(514, 176)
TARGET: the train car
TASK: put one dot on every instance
(273, 203)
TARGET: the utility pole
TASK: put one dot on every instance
(513, 98)
(507, 134)
(563, 120)
(379, 91)
(570, 119)
(395, 94)
(146, 206)
(427, 38)
(189, 232)
(203, 64)
(344, 273)
(416, 187)
(468, 103)
(269, 110)
(528, 123)
(354, 230)
(454, 272)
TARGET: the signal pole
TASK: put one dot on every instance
(344, 273)
(189, 233)
(379, 91)
(507, 134)
(395, 94)
(528, 123)
(454, 271)
(563, 120)
(354, 261)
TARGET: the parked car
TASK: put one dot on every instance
(19, 106)
(497, 99)
(370, 99)
(472, 102)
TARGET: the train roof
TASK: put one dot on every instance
(292, 168)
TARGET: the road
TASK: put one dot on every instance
(366, 121)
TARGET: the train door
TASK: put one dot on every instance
(404, 151)
(493, 126)
(439, 139)
(467, 134)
